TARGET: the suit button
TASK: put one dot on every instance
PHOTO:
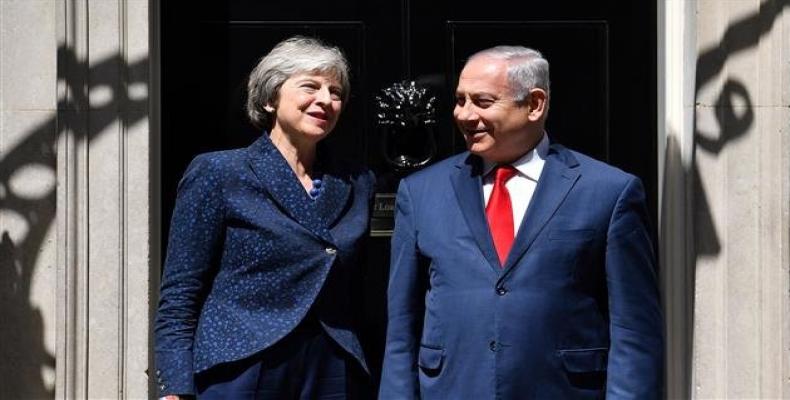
(493, 346)
(501, 291)
(331, 251)
(158, 372)
(162, 387)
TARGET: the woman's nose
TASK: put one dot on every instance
(323, 96)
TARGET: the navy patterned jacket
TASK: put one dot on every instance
(249, 251)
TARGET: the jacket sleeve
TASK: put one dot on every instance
(405, 307)
(195, 233)
(636, 354)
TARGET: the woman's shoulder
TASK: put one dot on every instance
(352, 170)
(222, 156)
(217, 160)
(218, 167)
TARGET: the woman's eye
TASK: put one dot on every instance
(460, 101)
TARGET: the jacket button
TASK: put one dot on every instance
(501, 291)
(493, 346)
(331, 251)
(158, 372)
(162, 387)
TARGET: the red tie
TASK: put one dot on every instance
(499, 213)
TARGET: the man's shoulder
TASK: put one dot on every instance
(593, 169)
(438, 170)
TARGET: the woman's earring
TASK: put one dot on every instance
(268, 108)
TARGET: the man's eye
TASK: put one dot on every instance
(460, 101)
(484, 103)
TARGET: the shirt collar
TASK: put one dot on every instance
(530, 164)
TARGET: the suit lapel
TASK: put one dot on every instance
(334, 197)
(468, 188)
(558, 177)
(278, 179)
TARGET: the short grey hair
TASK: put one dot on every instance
(527, 68)
(290, 57)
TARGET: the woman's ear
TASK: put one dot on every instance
(269, 108)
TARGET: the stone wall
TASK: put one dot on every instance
(28, 134)
(78, 211)
(740, 171)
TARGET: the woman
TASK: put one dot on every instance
(264, 246)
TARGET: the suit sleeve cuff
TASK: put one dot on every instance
(174, 373)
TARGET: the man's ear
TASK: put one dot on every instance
(538, 104)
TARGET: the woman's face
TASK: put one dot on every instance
(308, 105)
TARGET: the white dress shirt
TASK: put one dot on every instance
(522, 185)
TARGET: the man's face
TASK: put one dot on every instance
(495, 127)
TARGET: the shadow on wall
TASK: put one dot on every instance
(734, 114)
(733, 108)
(27, 201)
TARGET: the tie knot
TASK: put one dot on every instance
(503, 173)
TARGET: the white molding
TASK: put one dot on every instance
(107, 235)
(676, 69)
(71, 240)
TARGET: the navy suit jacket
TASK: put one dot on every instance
(573, 313)
(249, 251)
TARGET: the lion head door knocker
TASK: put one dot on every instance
(406, 116)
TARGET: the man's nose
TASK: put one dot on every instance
(465, 113)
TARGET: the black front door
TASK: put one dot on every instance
(603, 93)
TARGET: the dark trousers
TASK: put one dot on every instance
(306, 364)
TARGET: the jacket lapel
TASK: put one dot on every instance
(278, 179)
(558, 177)
(332, 201)
(467, 183)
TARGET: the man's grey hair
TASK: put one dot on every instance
(527, 68)
(290, 57)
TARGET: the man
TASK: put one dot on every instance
(520, 269)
